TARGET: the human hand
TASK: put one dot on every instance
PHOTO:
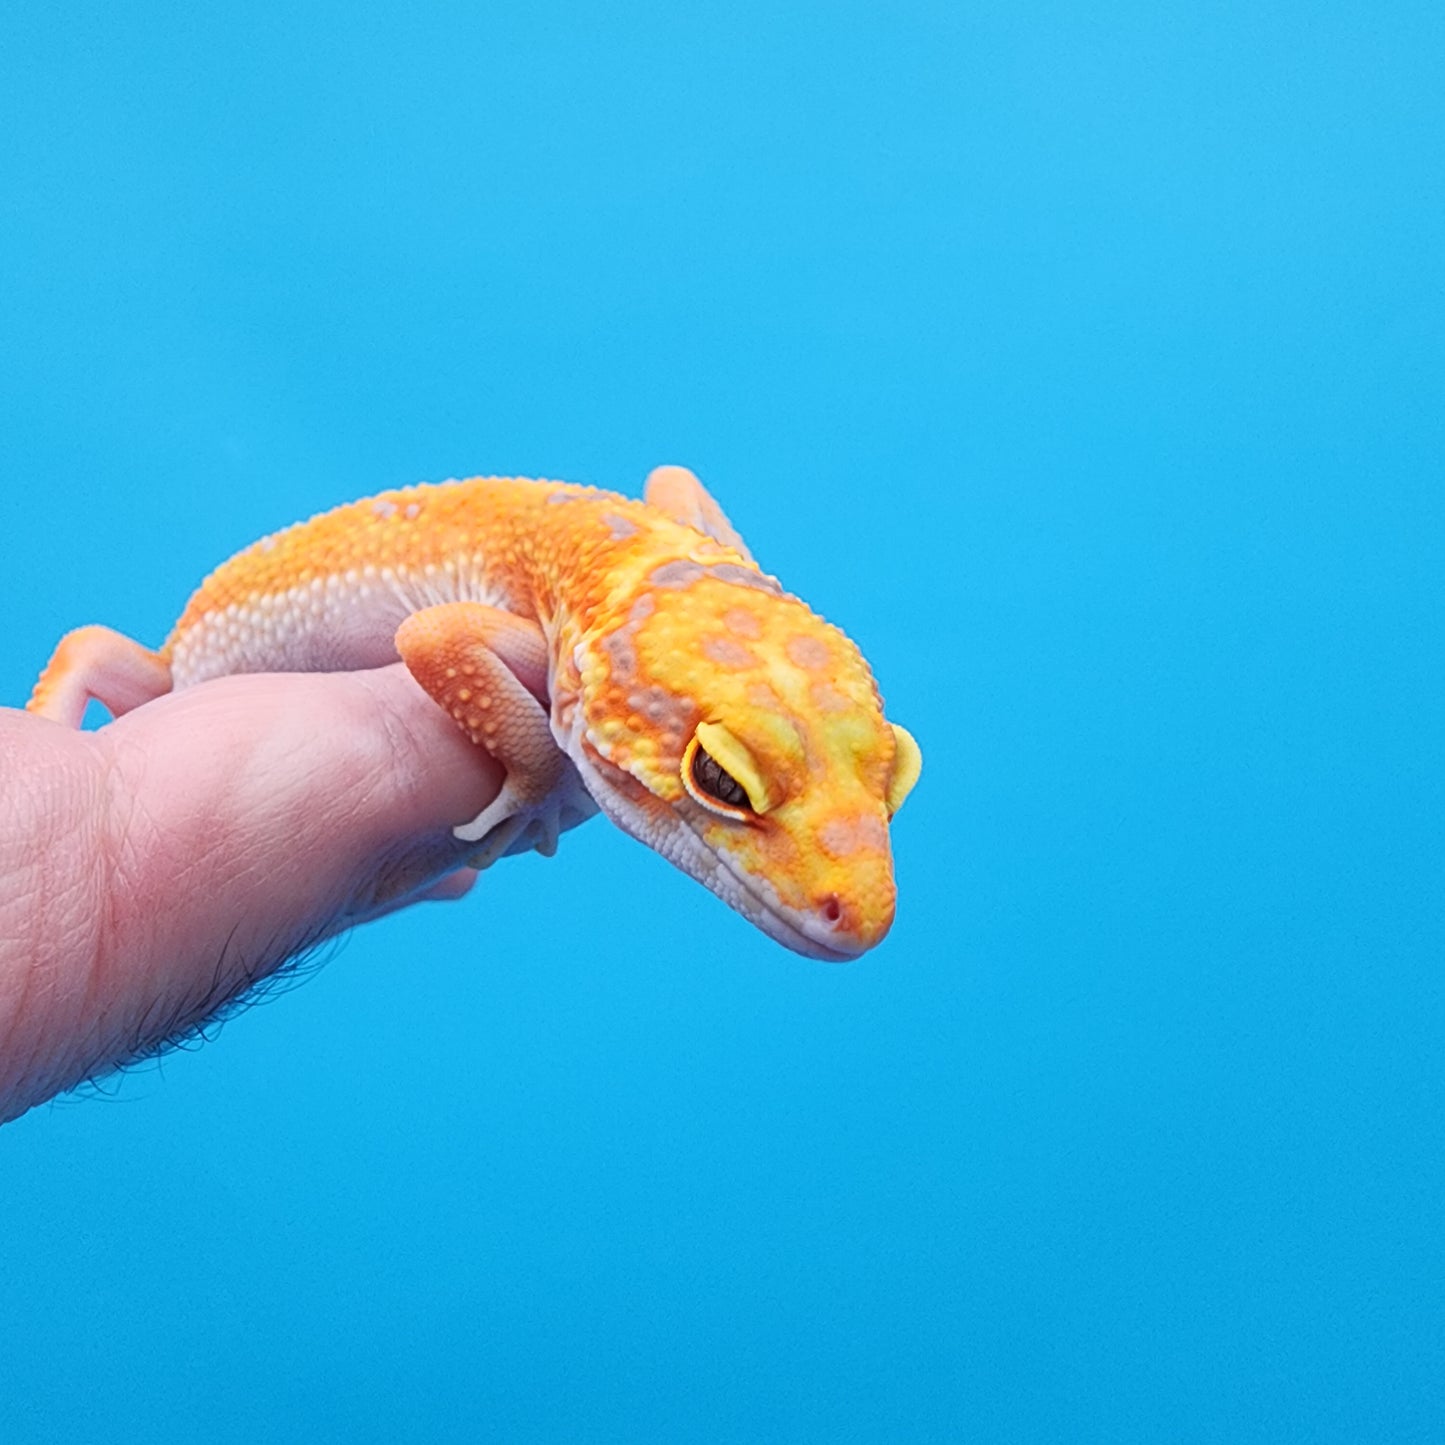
(156, 870)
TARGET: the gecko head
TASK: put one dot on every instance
(739, 735)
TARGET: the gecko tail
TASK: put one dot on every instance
(95, 662)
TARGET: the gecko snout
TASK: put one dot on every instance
(845, 926)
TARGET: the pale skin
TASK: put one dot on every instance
(159, 868)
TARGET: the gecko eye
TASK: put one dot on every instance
(719, 772)
(715, 780)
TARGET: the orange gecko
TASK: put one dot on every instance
(610, 653)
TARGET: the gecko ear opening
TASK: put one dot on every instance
(907, 765)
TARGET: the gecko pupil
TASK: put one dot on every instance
(716, 781)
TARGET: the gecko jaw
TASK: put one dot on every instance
(781, 930)
(753, 898)
(655, 824)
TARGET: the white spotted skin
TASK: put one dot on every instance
(333, 624)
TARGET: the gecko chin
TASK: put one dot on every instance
(783, 930)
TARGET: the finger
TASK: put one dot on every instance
(186, 850)
(325, 796)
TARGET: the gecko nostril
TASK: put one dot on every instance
(832, 910)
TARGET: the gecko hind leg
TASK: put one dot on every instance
(95, 662)
(453, 652)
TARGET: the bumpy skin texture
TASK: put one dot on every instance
(603, 650)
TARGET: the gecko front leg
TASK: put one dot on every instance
(471, 659)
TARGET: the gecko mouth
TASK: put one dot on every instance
(754, 899)
(791, 936)
(683, 847)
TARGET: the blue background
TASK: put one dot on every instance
(1086, 364)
